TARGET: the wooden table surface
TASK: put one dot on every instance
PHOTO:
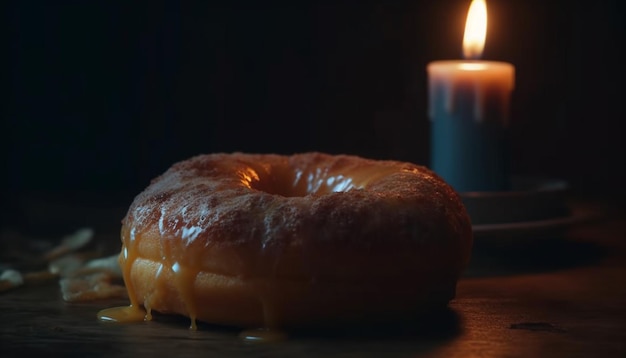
(534, 294)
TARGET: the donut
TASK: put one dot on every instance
(278, 241)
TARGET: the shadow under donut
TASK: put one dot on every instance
(437, 324)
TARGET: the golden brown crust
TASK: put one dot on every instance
(310, 217)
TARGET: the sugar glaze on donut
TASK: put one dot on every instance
(275, 241)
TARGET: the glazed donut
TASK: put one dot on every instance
(274, 241)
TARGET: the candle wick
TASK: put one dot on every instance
(472, 56)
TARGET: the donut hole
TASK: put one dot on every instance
(313, 177)
(300, 183)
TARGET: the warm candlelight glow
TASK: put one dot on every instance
(473, 66)
(475, 30)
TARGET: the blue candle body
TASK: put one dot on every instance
(469, 126)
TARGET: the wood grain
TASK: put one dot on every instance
(569, 301)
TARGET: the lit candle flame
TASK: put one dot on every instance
(475, 30)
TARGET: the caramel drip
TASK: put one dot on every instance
(133, 312)
(127, 260)
(147, 305)
(269, 332)
(184, 275)
(184, 280)
(148, 301)
(121, 314)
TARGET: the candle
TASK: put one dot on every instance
(469, 112)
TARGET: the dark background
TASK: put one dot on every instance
(104, 95)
